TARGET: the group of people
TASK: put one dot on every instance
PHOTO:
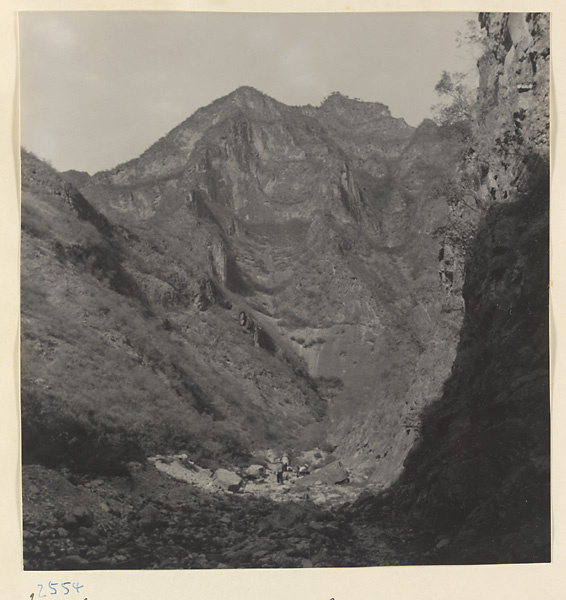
(284, 467)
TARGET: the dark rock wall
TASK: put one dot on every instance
(481, 472)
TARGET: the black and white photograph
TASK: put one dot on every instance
(284, 289)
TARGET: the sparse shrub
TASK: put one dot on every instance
(457, 101)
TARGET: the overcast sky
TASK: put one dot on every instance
(98, 88)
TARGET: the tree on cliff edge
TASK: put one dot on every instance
(457, 99)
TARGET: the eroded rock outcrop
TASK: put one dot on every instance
(260, 337)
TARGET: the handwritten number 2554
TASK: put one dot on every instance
(53, 589)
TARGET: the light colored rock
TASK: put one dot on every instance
(194, 475)
(329, 475)
(255, 471)
(227, 480)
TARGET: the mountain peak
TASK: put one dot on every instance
(248, 96)
(246, 99)
(247, 91)
(337, 100)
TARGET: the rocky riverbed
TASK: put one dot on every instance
(171, 514)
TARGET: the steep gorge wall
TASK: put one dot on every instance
(477, 485)
(409, 372)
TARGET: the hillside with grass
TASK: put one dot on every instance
(109, 374)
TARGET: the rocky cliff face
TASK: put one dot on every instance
(321, 225)
(477, 485)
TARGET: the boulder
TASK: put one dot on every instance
(83, 517)
(89, 536)
(255, 471)
(331, 474)
(150, 518)
(228, 480)
(69, 522)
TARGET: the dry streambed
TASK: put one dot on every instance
(172, 514)
(330, 485)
